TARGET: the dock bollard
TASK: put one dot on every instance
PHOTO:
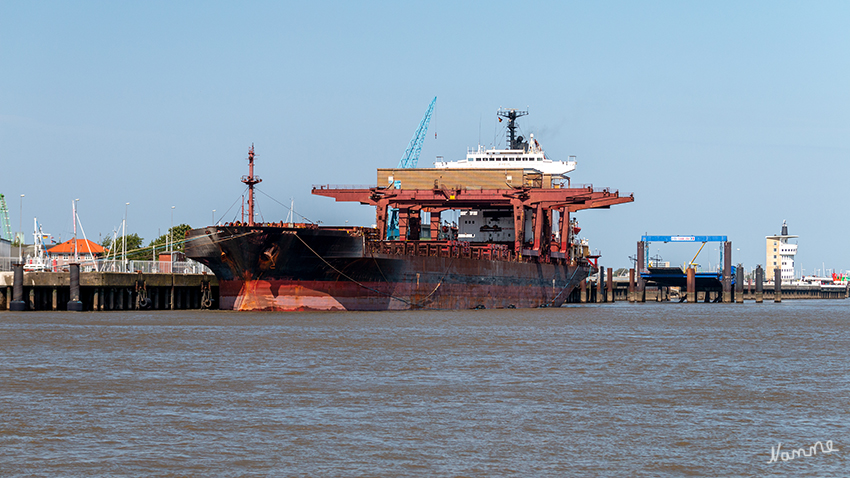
(18, 303)
(777, 285)
(759, 284)
(74, 304)
(609, 284)
(631, 285)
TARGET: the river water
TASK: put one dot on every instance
(598, 390)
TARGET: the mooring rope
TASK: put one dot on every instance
(354, 280)
(439, 283)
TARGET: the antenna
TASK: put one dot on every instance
(512, 115)
(251, 180)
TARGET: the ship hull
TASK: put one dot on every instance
(289, 269)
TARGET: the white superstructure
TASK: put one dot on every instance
(780, 254)
(520, 154)
(532, 158)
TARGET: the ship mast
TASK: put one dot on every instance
(251, 180)
(512, 115)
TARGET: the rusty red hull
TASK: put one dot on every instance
(287, 269)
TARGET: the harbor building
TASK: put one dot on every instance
(5, 248)
(780, 254)
(75, 250)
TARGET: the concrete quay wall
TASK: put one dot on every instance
(114, 291)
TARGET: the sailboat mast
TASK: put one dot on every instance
(74, 212)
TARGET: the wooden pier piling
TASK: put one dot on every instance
(600, 282)
(583, 292)
(75, 304)
(739, 284)
(17, 304)
(692, 286)
(727, 272)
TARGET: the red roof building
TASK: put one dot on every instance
(86, 250)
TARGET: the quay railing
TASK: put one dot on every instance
(146, 267)
(154, 267)
(343, 186)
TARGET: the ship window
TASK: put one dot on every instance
(540, 159)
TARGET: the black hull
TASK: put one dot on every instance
(290, 268)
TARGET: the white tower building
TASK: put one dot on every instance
(780, 254)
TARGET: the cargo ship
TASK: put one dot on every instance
(514, 244)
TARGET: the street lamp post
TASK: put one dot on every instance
(21, 237)
(171, 235)
(76, 251)
(213, 217)
(124, 238)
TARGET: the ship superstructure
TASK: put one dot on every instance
(520, 153)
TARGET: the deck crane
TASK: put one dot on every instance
(408, 161)
(5, 226)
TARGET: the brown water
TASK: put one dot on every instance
(608, 390)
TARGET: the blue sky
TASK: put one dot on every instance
(722, 117)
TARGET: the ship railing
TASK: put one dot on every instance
(458, 249)
(343, 186)
(613, 192)
(6, 263)
(588, 187)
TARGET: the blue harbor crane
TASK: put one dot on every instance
(408, 161)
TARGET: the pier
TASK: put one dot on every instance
(103, 291)
(618, 290)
